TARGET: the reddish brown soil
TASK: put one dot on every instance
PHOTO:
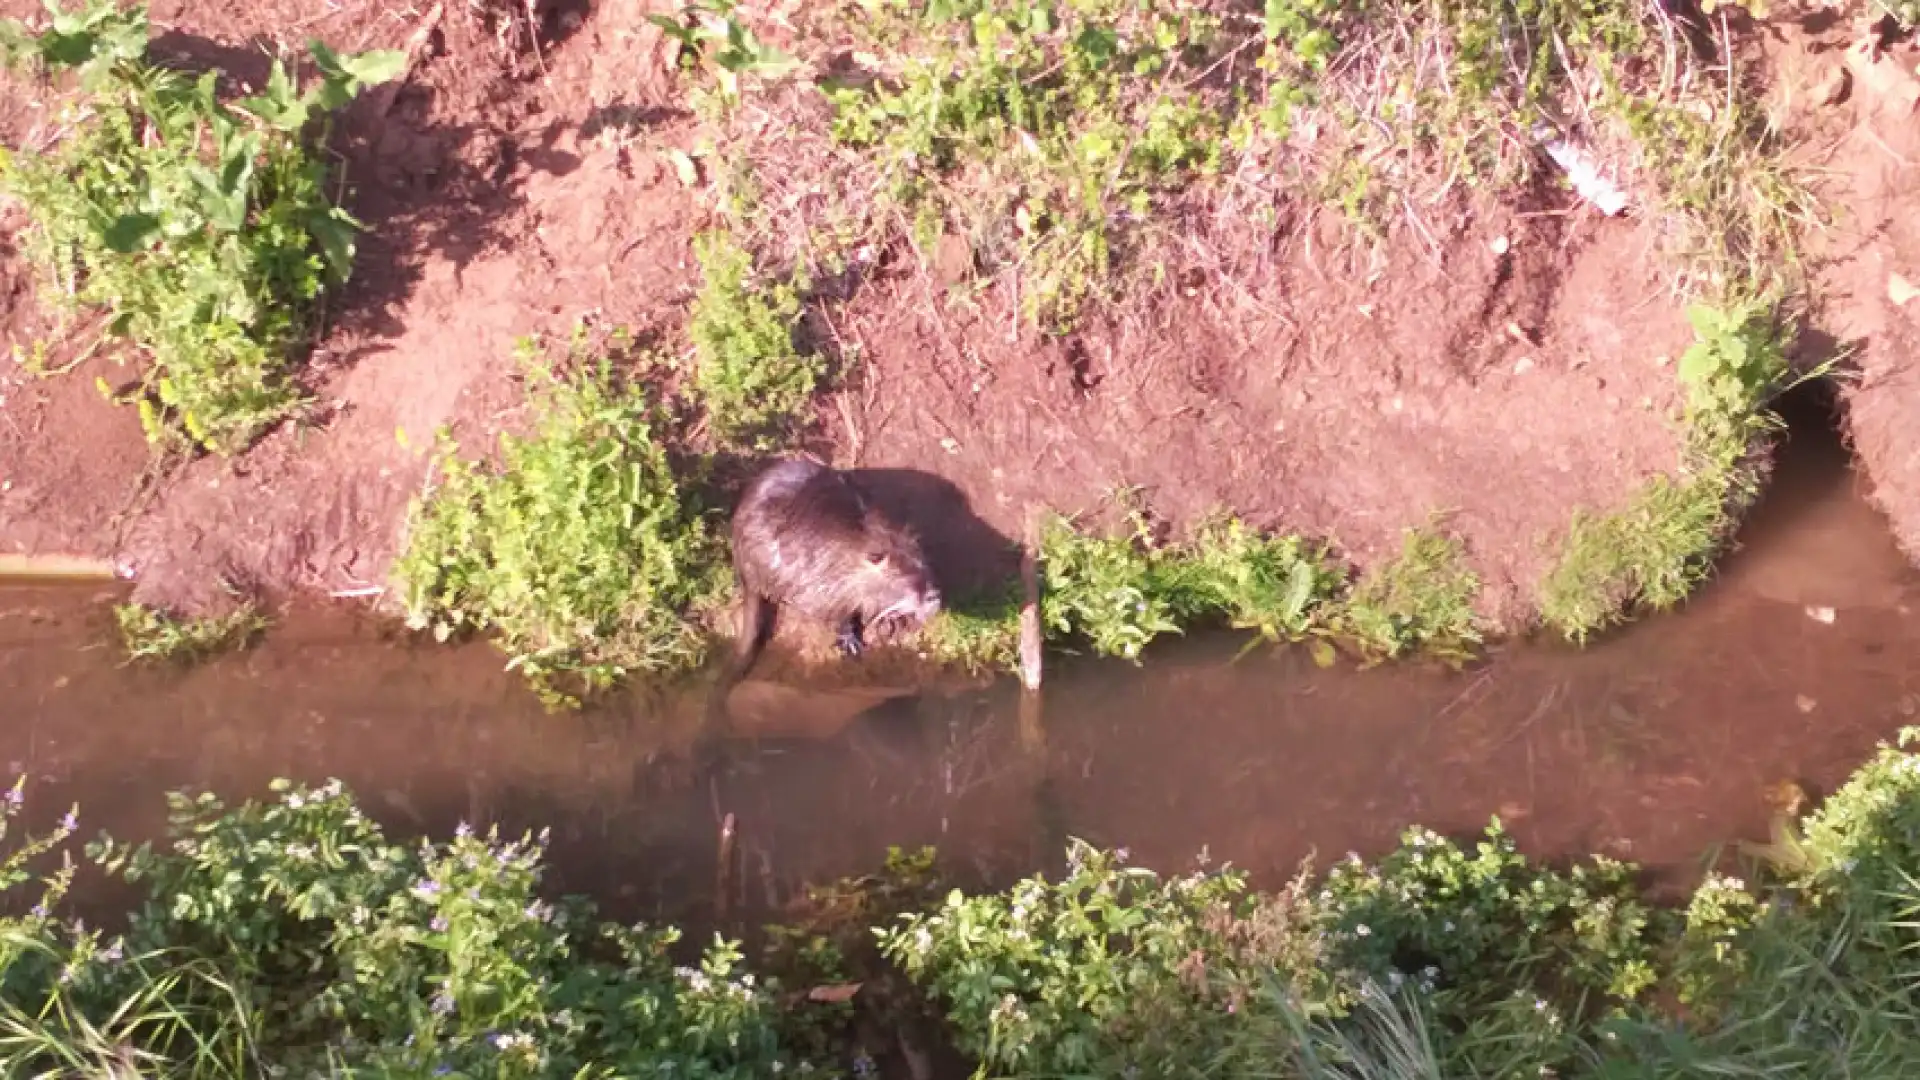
(1314, 401)
(1871, 147)
(1307, 388)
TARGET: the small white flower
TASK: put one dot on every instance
(1362, 930)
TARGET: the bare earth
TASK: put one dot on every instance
(1501, 365)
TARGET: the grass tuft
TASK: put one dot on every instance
(1651, 553)
(1421, 600)
(754, 382)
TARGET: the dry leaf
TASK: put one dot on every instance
(833, 995)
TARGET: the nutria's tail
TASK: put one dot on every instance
(756, 622)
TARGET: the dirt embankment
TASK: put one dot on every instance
(1502, 365)
(1855, 107)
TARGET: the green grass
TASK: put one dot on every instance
(1648, 555)
(1115, 595)
(1074, 146)
(977, 633)
(754, 383)
(583, 553)
(203, 229)
(1420, 601)
(150, 634)
(1651, 553)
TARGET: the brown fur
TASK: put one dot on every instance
(805, 537)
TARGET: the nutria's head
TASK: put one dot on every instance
(897, 582)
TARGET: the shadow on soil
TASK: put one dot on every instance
(966, 554)
(425, 189)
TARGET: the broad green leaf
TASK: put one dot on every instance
(130, 232)
(375, 67)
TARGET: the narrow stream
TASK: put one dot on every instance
(1653, 745)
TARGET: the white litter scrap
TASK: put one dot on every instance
(1583, 171)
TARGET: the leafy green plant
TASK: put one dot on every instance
(1422, 599)
(1119, 593)
(1735, 360)
(1105, 589)
(1480, 917)
(293, 936)
(151, 634)
(202, 228)
(1109, 969)
(1279, 586)
(581, 552)
(754, 383)
(708, 31)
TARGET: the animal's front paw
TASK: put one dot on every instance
(850, 643)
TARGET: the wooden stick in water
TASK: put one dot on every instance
(723, 876)
(1032, 731)
(1031, 638)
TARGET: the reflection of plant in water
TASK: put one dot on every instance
(151, 634)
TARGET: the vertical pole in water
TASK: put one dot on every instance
(723, 872)
(1032, 734)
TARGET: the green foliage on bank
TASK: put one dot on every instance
(293, 936)
(203, 229)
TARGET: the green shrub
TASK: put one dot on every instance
(1485, 916)
(293, 938)
(754, 383)
(202, 228)
(1119, 593)
(581, 553)
(1108, 590)
(1110, 971)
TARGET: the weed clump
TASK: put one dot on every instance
(1652, 552)
(1117, 594)
(203, 229)
(581, 552)
(1420, 600)
(977, 633)
(1062, 122)
(151, 634)
(754, 382)
(293, 935)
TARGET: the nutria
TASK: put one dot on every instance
(806, 537)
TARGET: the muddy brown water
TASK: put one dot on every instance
(1654, 745)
